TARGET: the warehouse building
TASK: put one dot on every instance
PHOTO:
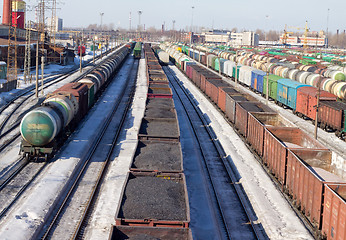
(313, 39)
(231, 38)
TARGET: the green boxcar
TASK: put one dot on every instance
(273, 85)
(219, 63)
(213, 62)
(185, 49)
(233, 71)
(137, 51)
(94, 47)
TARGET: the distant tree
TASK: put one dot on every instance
(151, 29)
(92, 26)
(272, 35)
(337, 39)
(261, 34)
(111, 26)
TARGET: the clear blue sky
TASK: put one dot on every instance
(243, 14)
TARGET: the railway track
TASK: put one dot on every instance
(15, 107)
(18, 106)
(15, 185)
(234, 212)
(75, 209)
(16, 179)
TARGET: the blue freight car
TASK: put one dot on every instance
(257, 80)
(287, 92)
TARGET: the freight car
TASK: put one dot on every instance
(300, 164)
(137, 51)
(156, 172)
(282, 89)
(161, 55)
(45, 128)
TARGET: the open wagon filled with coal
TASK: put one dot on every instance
(154, 199)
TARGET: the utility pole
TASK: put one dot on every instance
(40, 41)
(267, 85)
(327, 28)
(81, 53)
(236, 69)
(130, 21)
(27, 59)
(317, 106)
(173, 30)
(219, 64)
(101, 14)
(94, 50)
(193, 7)
(191, 23)
(139, 23)
(53, 27)
(37, 50)
(42, 73)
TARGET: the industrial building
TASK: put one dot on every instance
(57, 26)
(317, 39)
(231, 38)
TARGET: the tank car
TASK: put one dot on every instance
(44, 128)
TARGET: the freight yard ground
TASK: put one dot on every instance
(271, 209)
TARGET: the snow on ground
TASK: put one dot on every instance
(105, 211)
(31, 211)
(273, 211)
(9, 158)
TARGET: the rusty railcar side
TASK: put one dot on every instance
(257, 122)
(242, 112)
(334, 212)
(307, 173)
(221, 101)
(277, 141)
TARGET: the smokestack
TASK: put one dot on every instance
(6, 12)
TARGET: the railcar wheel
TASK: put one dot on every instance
(323, 126)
